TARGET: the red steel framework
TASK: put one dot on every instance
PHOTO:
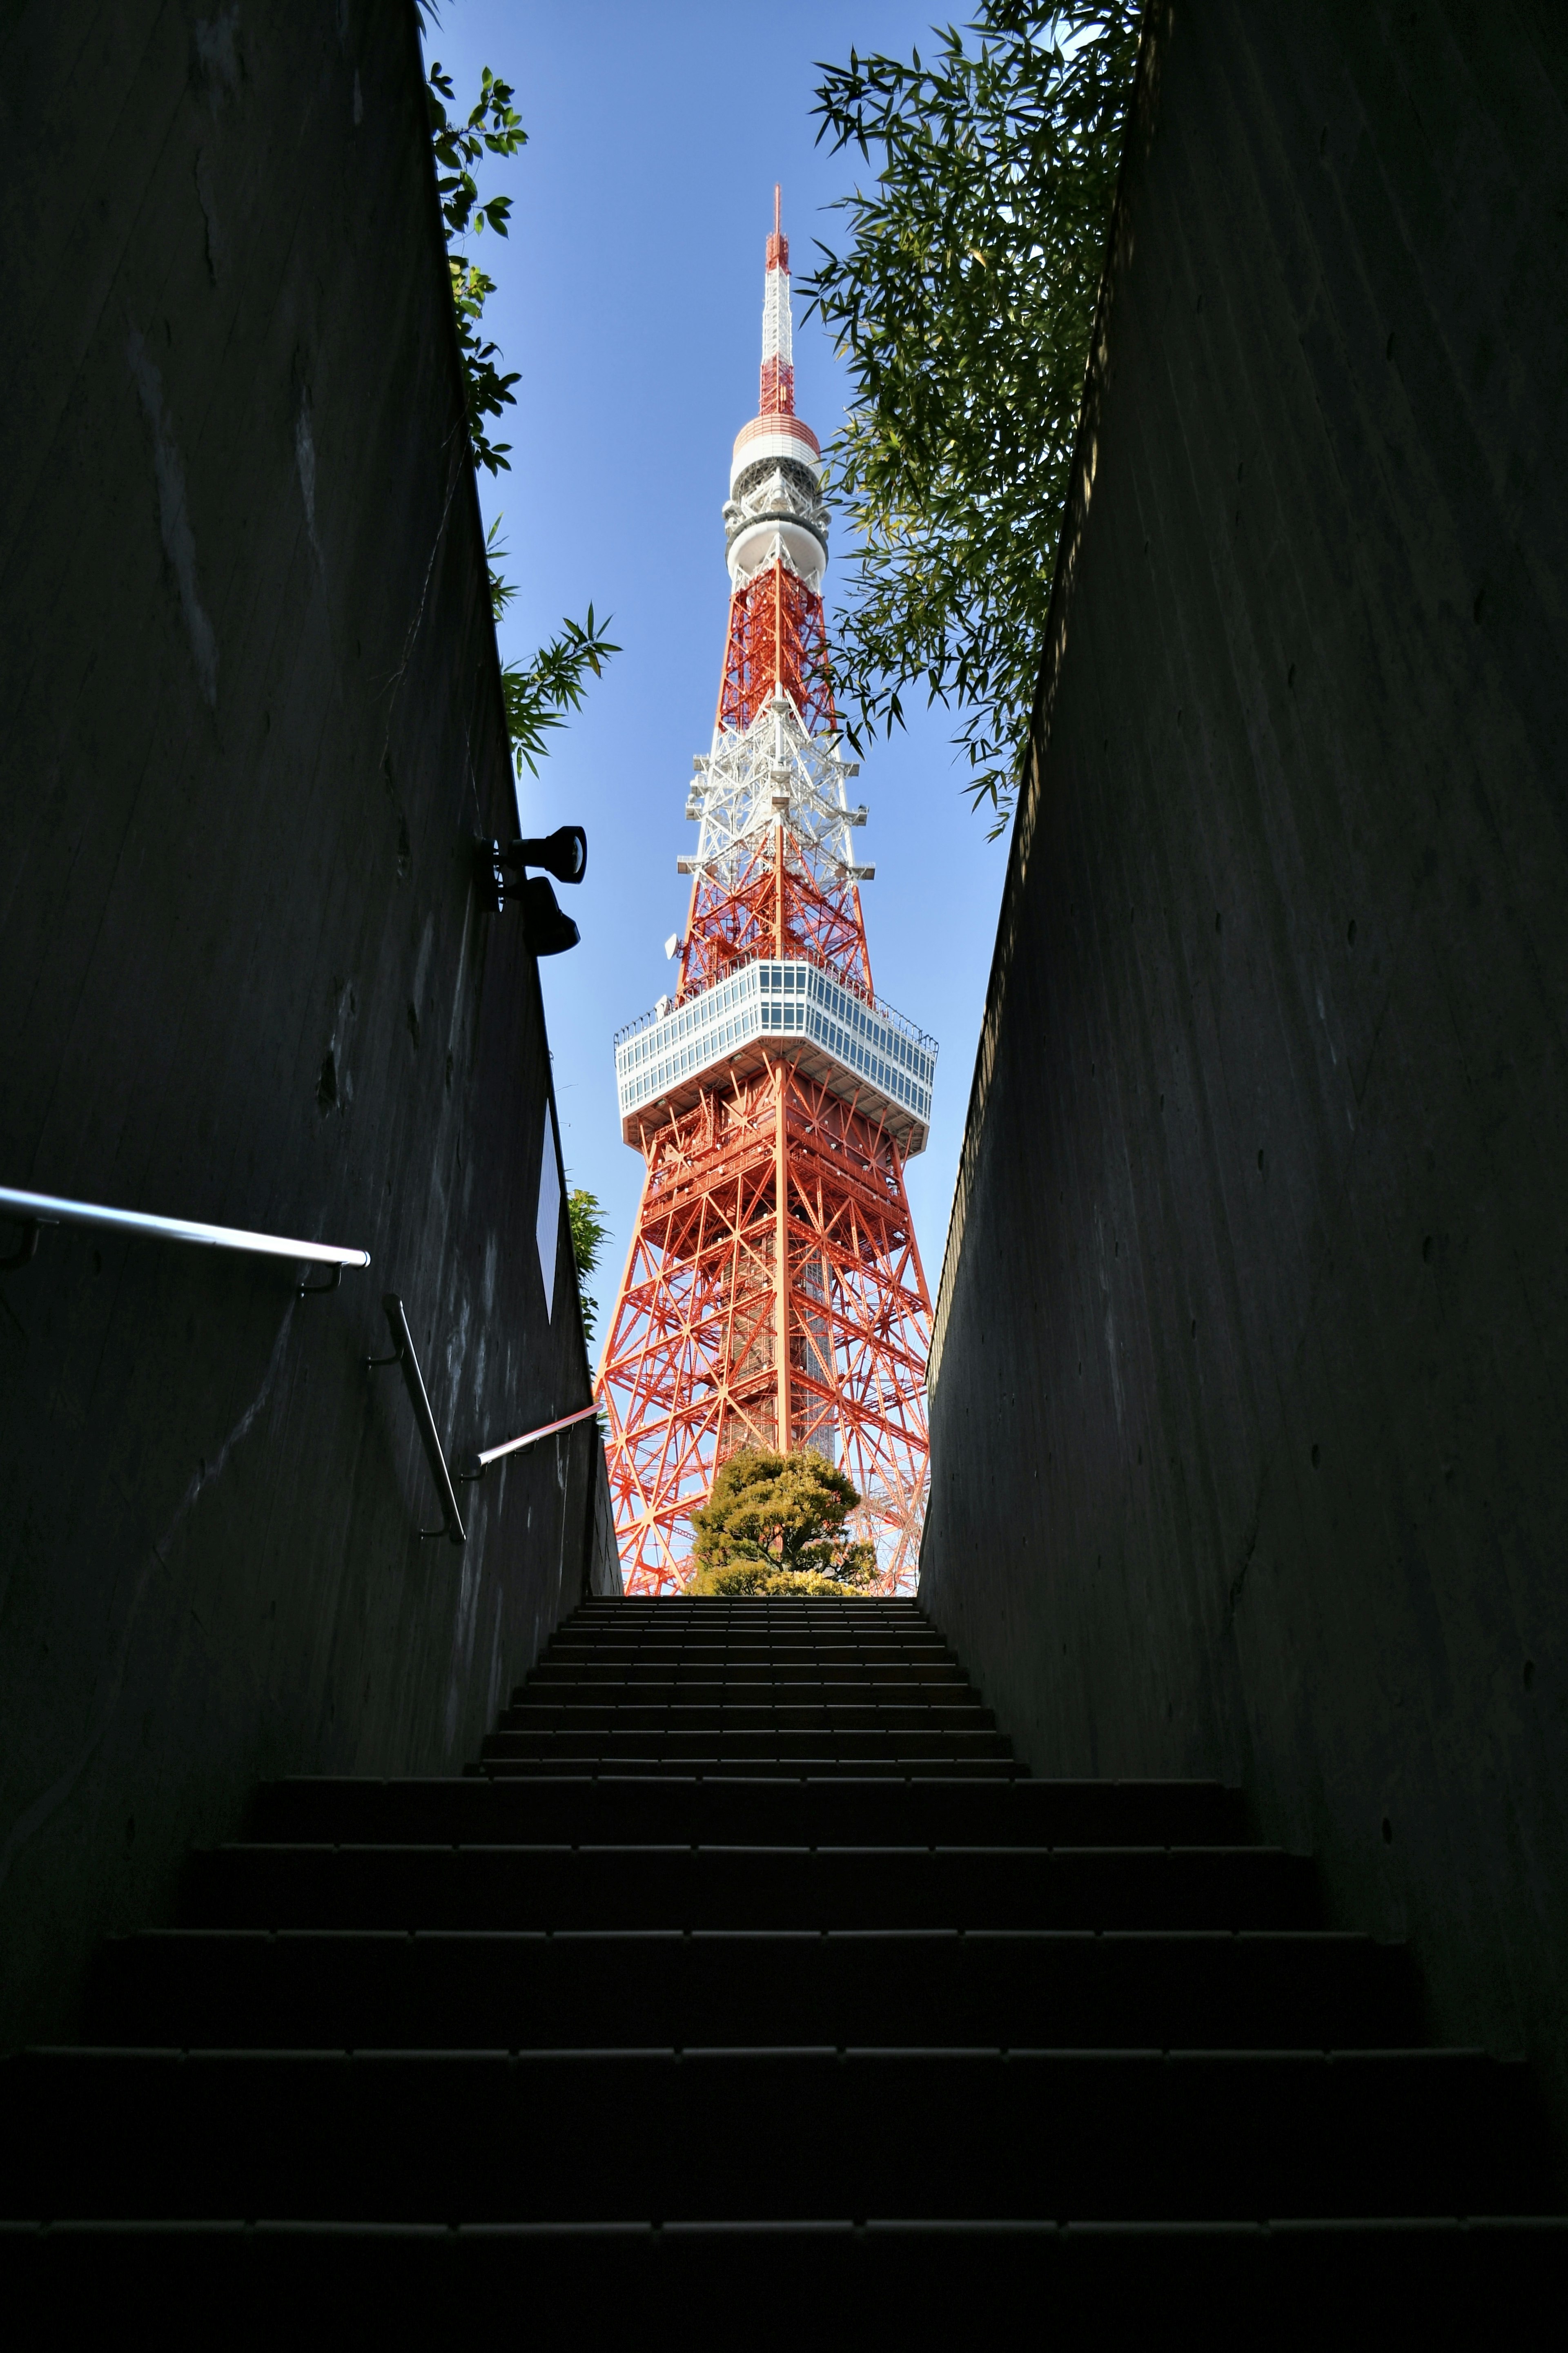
(774, 1292)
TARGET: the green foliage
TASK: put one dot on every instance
(588, 1230)
(501, 591)
(754, 1577)
(778, 1517)
(491, 127)
(539, 694)
(963, 303)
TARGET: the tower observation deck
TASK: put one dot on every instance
(773, 1293)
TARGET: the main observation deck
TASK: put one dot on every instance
(860, 1049)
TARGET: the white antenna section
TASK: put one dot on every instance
(774, 771)
(778, 327)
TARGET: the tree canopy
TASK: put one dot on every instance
(776, 1523)
(963, 302)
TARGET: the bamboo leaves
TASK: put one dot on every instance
(963, 302)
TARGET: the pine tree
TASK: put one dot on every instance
(776, 1523)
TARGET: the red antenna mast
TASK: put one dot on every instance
(773, 1293)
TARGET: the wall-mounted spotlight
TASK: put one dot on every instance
(563, 853)
(547, 931)
(503, 881)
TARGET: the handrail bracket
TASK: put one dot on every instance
(403, 1356)
(27, 1248)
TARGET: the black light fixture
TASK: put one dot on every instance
(547, 931)
(503, 880)
(563, 853)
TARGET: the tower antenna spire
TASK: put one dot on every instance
(773, 1295)
(776, 396)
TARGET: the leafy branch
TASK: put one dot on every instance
(963, 303)
(540, 693)
(491, 127)
(588, 1231)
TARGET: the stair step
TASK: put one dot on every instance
(384, 1988)
(618, 1608)
(738, 1719)
(1411, 2280)
(755, 1676)
(678, 1809)
(710, 2135)
(721, 1659)
(635, 1762)
(388, 1886)
(829, 1742)
(841, 1632)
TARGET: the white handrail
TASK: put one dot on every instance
(49, 1209)
(494, 1453)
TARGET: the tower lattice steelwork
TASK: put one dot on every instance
(773, 1293)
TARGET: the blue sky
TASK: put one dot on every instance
(629, 297)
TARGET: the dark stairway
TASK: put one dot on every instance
(748, 1984)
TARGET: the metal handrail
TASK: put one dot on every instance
(403, 1356)
(477, 1464)
(33, 1212)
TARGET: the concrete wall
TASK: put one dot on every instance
(1250, 1388)
(604, 1580)
(249, 724)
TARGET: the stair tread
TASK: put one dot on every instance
(548, 1764)
(890, 2132)
(1433, 2278)
(382, 1987)
(687, 1886)
(758, 1719)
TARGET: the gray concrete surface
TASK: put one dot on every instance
(1250, 1380)
(249, 724)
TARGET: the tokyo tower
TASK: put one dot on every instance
(773, 1293)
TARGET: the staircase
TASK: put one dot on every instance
(747, 1984)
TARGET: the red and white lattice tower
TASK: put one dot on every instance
(773, 1293)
